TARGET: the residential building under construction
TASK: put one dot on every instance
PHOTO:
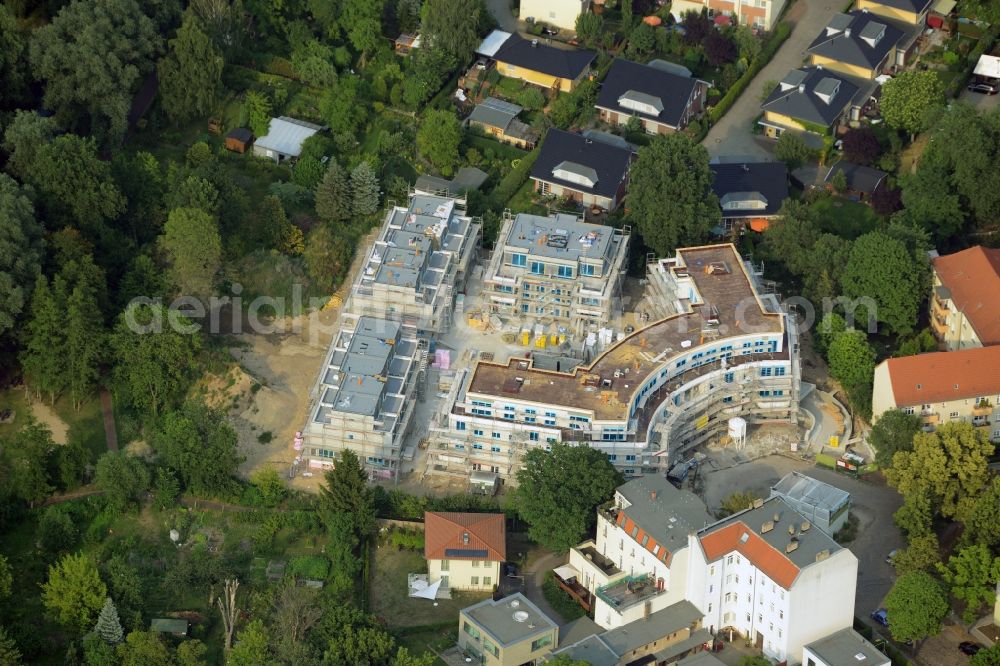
(720, 352)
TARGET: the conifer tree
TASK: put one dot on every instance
(109, 627)
(42, 358)
(364, 187)
(333, 195)
(85, 338)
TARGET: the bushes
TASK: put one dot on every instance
(514, 179)
(561, 602)
(781, 33)
(314, 567)
(403, 539)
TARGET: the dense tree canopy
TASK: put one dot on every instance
(894, 431)
(882, 269)
(347, 493)
(909, 98)
(971, 575)
(74, 593)
(200, 445)
(453, 26)
(191, 240)
(21, 247)
(191, 73)
(558, 491)
(438, 139)
(915, 606)
(93, 57)
(682, 214)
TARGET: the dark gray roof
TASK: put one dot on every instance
(592, 650)
(700, 659)
(510, 620)
(494, 112)
(240, 134)
(859, 178)
(538, 57)
(915, 6)
(843, 647)
(859, 38)
(669, 516)
(662, 623)
(672, 67)
(812, 94)
(768, 179)
(578, 630)
(609, 163)
(666, 91)
(467, 178)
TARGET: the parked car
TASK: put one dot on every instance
(891, 556)
(969, 648)
(983, 88)
(881, 616)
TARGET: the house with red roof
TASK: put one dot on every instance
(965, 310)
(465, 550)
(943, 387)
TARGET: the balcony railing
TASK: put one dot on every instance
(630, 591)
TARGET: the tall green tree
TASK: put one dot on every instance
(792, 150)
(192, 653)
(85, 340)
(328, 255)
(191, 73)
(915, 606)
(74, 593)
(26, 132)
(972, 574)
(56, 532)
(987, 657)
(74, 185)
(252, 647)
(26, 456)
(312, 61)
(122, 477)
(894, 431)
(12, 60)
(200, 445)
(950, 465)
(364, 190)
(682, 214)
(347, 492)
(983, 525)
(881, 268)
(362, 21)
(109, 627)
(153, 362)
(21, 247)
(144, 648)
(909, 98)
(915, 517)
(192, 241)
(93, 56)
(852, 363)
(452, 26)
(438, 139)
(588, 28)
(333, 195)
(9, 654)
(6, 578)
(559, 490)
(258, 108)
(922, 554)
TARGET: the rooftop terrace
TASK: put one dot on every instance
(721, 300)
(560, 237)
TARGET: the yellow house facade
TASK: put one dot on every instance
(538, 78)
(472, 575)
(536, 61)
(508, 632)
(913, 13)
(843, 67)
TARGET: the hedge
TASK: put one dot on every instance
(514, 179)
(770, 48)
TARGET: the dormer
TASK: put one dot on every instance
(873, 33)
(641, 102)
(575, 173)
(743, 201)
(792, 80)
(838, 24)
(827, 89)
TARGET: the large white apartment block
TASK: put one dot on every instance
(964, 308)
(364, 397)
(723, 351)
(558, 272)
(418, 264)
(759, 572)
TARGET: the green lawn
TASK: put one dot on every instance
(85, 425)
(389, 595)
(521, 201)
(845, 218)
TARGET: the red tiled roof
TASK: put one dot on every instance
(973, 277)
(763, 555)
(447, 532)
(944, 376)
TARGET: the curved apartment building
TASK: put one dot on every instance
(718, 349)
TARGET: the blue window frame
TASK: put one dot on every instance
(509, 416)
(533, 436)
(524, 308)
(496, 435)
(552, 414)
(495, 449)
(728, 377)
(477, 447)
(519, 259)
(460, 447)
(565, 272)
(728, 399)
(460, 425)
(478, 411)
(529, 410)
(537, 268)
(780, 372)
(477, 432)
(612, 457)
(587, 269)
(529, 419)
(630, 458)
(766, 371)
(765, 394)
(505, 288)
(550, 422)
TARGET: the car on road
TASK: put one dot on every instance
(891, 556)
(881, 616)
(969, 648)
(984, 88)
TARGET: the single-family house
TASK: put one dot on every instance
(239, 140)
(405, 43)
(662, 100)
(863, 44)
(750, 193)
(760, 14)
(911, 12)
(169, 625)
(545, 65)
(499, 119)
(284, 138)
(943, 387)
(465, 550)
(965, 310)
(560, 13)
(862, 181)
(586, 169)
(507, 632)
(812, 99)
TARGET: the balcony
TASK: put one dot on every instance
(929, 418)
(982, 408)
(593, 556)
(579, 593)
(630, 591)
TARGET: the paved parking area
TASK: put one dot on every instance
(873, 503)
(983, 103)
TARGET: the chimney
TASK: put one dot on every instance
(822, 555)
(647, 610)
(792, 545)
(465, 538)
(777, 517)
(802, 88)
(766, 527)
(805, 526)
(847, 32)
(791, 530)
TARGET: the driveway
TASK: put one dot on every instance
(534, 576)
(871, 502)
(732, 135)
(501, 12)
(983, 103)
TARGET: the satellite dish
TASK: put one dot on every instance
(520, 616)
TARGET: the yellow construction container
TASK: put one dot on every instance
(540, 342)
(525, 338)
(553, 339)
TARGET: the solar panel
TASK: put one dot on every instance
(465, 552)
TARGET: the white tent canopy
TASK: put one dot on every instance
(422, 588)
(566, 572)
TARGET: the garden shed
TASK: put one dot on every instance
(239, 140)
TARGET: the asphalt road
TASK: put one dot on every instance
(873, 505)
(732, 134)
